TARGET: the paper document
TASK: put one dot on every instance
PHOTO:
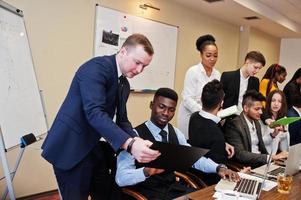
(232, 110)
(284, 121)
(228, 196)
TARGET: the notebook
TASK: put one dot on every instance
(230, 111)
(284, 121)
(174, 157)
(292, 164)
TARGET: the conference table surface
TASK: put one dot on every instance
(295, 193)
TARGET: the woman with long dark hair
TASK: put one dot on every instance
(276, 108)
(274, 74)
(293, 88)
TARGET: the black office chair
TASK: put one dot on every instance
(181, 177)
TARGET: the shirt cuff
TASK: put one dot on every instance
(140, 177)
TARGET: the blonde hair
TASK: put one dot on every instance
(139, 39)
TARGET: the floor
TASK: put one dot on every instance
(53, 195)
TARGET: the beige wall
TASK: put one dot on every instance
(268, 45)
(61, 38)
(191, 24)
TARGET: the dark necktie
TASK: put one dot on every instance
(163, 135)
(123, 94)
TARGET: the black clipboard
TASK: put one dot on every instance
(174, 157)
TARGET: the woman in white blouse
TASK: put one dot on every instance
(275, 138)
(195, 79)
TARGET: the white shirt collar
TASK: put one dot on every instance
(242, 76)
(119, 73)
(297, 110)
(201, 67)
(214, 72)
(154, 127)
(210, 116)
(251, 125)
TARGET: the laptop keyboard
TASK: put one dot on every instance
(276, 171)
(246, 186)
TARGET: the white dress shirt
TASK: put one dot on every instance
(119, 73)
(254, 136)
(210, 116)
(195, 79)
(243, 86)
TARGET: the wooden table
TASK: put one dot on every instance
(295, 193)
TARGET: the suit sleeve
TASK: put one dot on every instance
(256, 84)
(93, 85)
(234, 137)
(224, 81)
(126, 125)
(294, 129)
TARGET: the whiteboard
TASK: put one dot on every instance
(113, 27)
(21, 110)
(290, 57)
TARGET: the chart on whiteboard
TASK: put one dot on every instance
(113, 27)
(21, 109)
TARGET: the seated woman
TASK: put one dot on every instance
(275, 138)
(274, 74)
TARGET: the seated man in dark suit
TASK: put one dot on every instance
(294, 129)
(157, 183)
(244, 133)
(204, 131)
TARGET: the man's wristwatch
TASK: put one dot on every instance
(146, 174)
(220, 166)
(130, 145)
(272, 136)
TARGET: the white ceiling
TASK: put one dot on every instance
(281, 18)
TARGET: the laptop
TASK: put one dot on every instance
(174, 157)
(292, 164)
(249, 186)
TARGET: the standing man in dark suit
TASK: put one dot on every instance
(98, 92)
(244, 133)
(236, 83)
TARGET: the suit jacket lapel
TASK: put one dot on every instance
(261, 146)
(296, 113)
(237, 84)
(247, 135)
(250, 83)
(246, 131)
